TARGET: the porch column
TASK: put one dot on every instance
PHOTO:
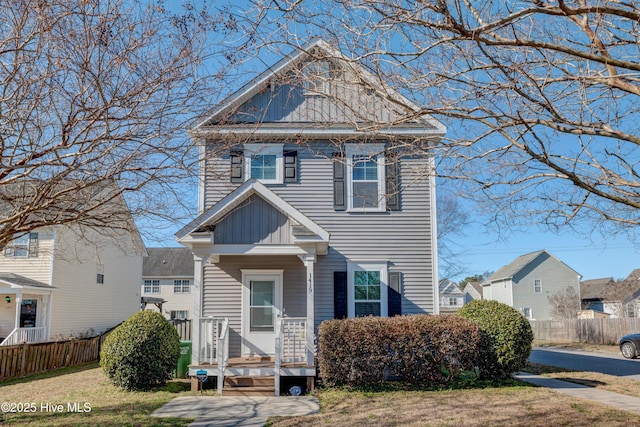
(309, 261)
(48, 299)
(18, 308)
(198, 274)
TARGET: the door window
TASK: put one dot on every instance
(261, 308)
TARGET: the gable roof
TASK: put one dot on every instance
(449, 287)
(422, 124)
(310, 232)
(508, 271)
(594, 288)
(168, 262)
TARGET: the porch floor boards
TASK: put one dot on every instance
(252, 362)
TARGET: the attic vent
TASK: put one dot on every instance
(317, 76)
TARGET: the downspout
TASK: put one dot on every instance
(434, 236)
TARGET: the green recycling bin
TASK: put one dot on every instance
(184, 360)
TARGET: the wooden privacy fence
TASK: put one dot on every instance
(25, 359)
(594, 331)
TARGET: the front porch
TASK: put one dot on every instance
(251, 375)
(27, 310)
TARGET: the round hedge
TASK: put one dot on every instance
(142, 352)
(507, 335)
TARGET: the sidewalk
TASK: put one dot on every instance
(616, 400)
(221, 411)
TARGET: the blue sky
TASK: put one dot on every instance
(593, 257)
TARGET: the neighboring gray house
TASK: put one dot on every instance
(472, 291)
(451, 297)
(309, 210)
(167, 276)
(528, 281)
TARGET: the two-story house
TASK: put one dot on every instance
(312, 207)
(528, 281)
(167, 274)
(451, 296)
(67, 280)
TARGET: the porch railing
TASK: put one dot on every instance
(214, 339)
(25, 335)
(291, 344)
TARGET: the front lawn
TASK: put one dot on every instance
(56, 399)
(504, 406)
(513, 405)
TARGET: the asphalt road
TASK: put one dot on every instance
(611, 364)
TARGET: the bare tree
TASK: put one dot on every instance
(565, 304)
(94, 98)
(541, 98)
(452, 220)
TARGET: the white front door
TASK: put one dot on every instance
(261, 307)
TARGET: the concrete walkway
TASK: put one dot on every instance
(616, 400)
(224, 411)
(236, 411)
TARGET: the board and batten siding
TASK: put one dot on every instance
(254, 221)
(222, 293)
(344, 100)
(403, 238)
(555, 277)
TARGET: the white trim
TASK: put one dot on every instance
(187, 234)
(376, 151)
(383, 267)
(257, 250)
(248, 274)
(434, 236)
(266, 150)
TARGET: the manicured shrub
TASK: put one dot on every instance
(507, 337)
(427, 351)
(142, 352)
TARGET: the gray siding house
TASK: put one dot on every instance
(310, 209)
(527, 282)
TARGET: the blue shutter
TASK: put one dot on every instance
(394, 299)
(340, 295)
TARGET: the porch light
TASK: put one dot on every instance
(8, 299)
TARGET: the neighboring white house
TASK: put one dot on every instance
(67, 280)
(528, 281)
(167, 274)
(451, 297)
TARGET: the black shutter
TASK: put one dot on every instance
(339, 182)
(392, 182)
(237, 166)
(395, 294)
(290, 166)
(340, 294)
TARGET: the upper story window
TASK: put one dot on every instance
(152, 286)
(365, 177)
(100, 274)
(181, 286)
(267, 163)
(23, 246)
(537, 286)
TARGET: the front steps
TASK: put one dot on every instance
(248, 386)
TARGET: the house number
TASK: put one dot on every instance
(310, 286)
